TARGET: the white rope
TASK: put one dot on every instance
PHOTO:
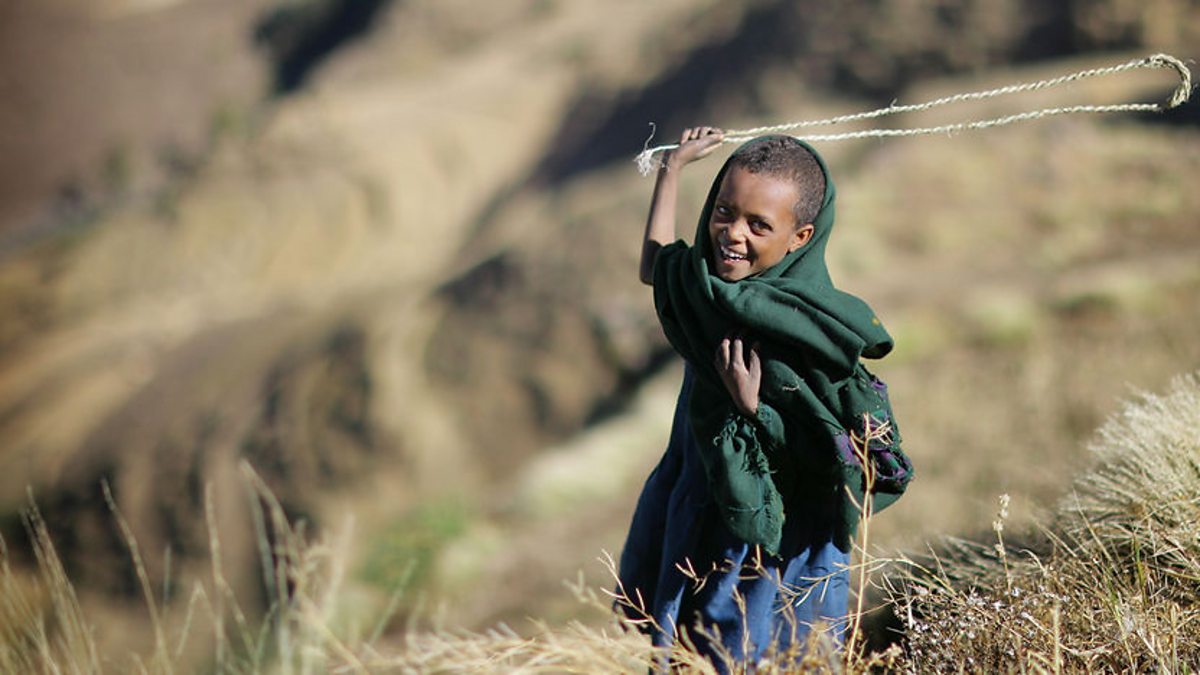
(648, 160)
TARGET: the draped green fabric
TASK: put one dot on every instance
(815, 393)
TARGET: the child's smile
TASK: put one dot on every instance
(753, 224)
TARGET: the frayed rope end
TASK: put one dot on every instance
(647, 161)
(650, 159)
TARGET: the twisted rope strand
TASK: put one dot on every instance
(647, 159)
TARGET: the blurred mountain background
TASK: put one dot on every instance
(385, 252)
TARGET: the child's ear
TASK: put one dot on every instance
(801, 237)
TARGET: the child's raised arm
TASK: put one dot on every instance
(694, 143)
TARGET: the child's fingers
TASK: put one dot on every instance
(722, 357)
(697, 133)
(709, 143)
(736, 355)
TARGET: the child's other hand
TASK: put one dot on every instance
(740, 369)
(694, 144)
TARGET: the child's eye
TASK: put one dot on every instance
(760, 226)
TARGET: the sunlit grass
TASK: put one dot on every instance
(1110, 584)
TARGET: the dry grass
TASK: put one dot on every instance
(44, 628)
(1110, 584)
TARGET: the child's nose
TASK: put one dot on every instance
(737, 229)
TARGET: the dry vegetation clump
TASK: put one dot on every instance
(44, 628)
(1114, 582)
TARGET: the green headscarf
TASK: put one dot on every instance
(814, 391)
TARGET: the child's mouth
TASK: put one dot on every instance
(730, 256)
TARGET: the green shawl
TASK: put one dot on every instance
(814, 391)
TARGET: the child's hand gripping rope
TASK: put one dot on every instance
(694, 143)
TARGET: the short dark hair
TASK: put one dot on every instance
(788, 158)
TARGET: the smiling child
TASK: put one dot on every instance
(741, 538)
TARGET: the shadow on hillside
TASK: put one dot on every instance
(599, 128)
(300, 36)
(829, 47)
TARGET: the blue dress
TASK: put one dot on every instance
(676, 527)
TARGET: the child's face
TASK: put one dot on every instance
(753, 225)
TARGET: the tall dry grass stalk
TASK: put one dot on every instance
(1110, 584)
(42, 626)
(862, 444)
